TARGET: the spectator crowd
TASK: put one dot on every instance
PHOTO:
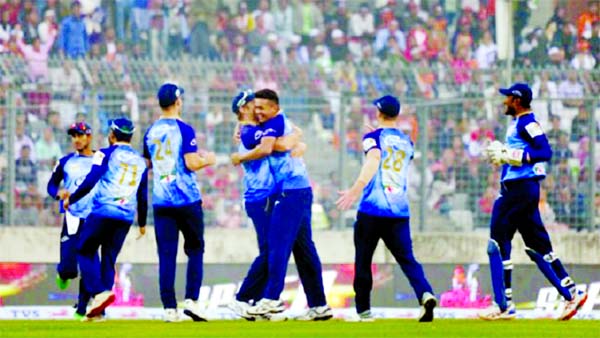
(74, 60)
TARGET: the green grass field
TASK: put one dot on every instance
(381, 329)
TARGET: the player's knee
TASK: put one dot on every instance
(493, 248)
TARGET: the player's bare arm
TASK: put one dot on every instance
(367, 172)
(264, 149)
(199, 160)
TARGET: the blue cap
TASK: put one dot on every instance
(388, 105)
(520, 90)
(168, 93)
(122, 125)
(241, 99)
(79, 128)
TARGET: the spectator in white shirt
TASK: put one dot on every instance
(571, 90)
(362, 22)
(487, 52)
(393, 29)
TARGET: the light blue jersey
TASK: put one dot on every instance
(386, 193)
(258, 180)
(165, 144)
(289, 172)
(120, 178)
(525, 133)
(72, 170)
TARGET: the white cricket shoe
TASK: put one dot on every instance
(265, 306)
(101, 302)
(494, 313)
(428, 303)
(192, 309)
(316, 313)
(572, 306)
(240, 308)
(365, 316)
(171, 316)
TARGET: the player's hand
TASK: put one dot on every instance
(62, 194)
(347, 198)
(210, 157)
(66, 203)
(236, 158)
(494, 153)
(237, 135)
(297, 130)
(142, 232)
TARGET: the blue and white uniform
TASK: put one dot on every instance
(119, 181)
(259, 188)
(383, 213)
(177, 204)
(290, 229)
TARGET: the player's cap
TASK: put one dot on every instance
(79, 128)
(168, 93)
(520, 90)
(388, 105)
(241, 99)
(122, 125)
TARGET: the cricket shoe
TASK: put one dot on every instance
(572, 306)
(494, 313)
(428, 303)
(171, 316)
(316, 313)
(365, 316)
(265, 306)
(62, 284)
(240, 308)
(191, 308)
(96, 319)
(101, 301)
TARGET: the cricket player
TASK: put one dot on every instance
(71, 171)
(383, 212)
(522, 158)
(259, 196)
(290, 227)
(171, 151)
(120, 180)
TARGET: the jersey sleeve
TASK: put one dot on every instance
(538, 148)
(145, 146)
(58, 174)
(250, 136)
(275, 127)
(188, 138)
(371, 141)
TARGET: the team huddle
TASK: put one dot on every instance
(103, 190)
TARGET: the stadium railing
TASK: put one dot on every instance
(451, 188)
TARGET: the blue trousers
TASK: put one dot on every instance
(290, 231)
(67, 266)
(168, 221)
(517, 209)
(395, 233)
(256, 279)
(108, 234)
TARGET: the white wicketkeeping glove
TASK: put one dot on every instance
(498, 153)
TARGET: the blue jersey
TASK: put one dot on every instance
(289, 172)
(386, 194)
(72, 169)
(165, 144)
(525, 133)
(258, 180)
(121, 179)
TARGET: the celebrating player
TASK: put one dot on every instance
(120, 177)
(291, 216)
(171, 151)
(523, 160)
(383, 212)
(72, 169)
(259, 196)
